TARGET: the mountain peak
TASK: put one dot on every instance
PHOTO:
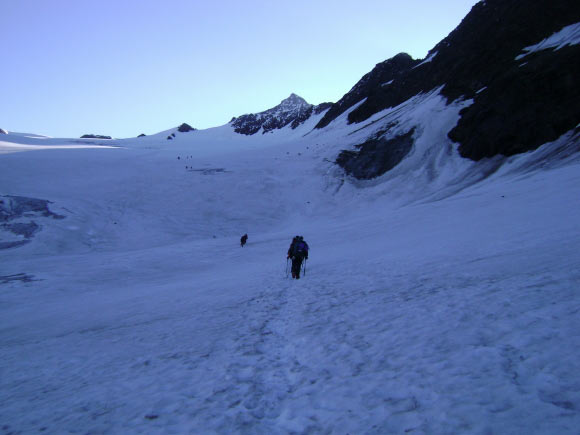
(293, 110)
(294, 100)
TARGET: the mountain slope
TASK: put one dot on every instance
(480, 60)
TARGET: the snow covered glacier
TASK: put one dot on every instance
(440, 294)
(440, 297)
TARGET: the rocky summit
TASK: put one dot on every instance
(292, 111)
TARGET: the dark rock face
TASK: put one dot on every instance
(292, 111)
(322, 107)
(524, 107)
(2, 131)
(518, 104)
(376, 156)
(142, 135)
(95, 136)
(184, 128)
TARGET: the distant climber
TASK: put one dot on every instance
(243, 240)
(298, 252)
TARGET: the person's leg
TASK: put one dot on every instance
(295, 267)
(298, 265)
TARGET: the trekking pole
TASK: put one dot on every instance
(287, 260)
(304, 273)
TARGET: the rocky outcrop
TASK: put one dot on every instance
(2, 131)
(292, 111)
(376, 156)
(184, 128)
(95, 136)
(518, 103)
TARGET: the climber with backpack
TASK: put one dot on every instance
(298, 252)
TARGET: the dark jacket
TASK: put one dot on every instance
(298, 249)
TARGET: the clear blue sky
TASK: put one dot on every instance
(124, 67)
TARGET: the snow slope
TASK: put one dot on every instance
(569, 35)
(441, 297)
(17, 142)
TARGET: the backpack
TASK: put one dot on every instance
(300, 249)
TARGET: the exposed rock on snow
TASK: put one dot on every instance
(16, 213)
(22, 277)
(376, 156)
(2, 131)
(13, 207)
(95, 136)
(184, 128)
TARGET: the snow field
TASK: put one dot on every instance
(433, 302)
